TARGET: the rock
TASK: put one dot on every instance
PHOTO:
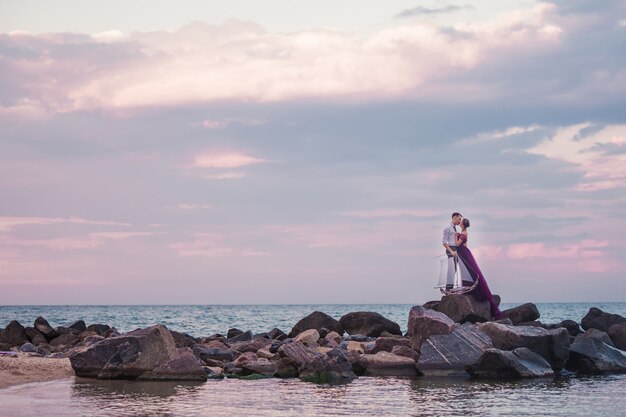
(112, 332)
(405, 351)
(44, 327)
(358, 338)
(463, 308)
(245, 358)
(251, 345)
(273, 348)
(432, 305)
(388, 364)
(617, 332)
(352, 345)
(213, 363)
(78, 325)
(368, 323)
(449, 354)
(101, 329)
(233, 333)
(14, 334)
(66, 330)
(28, 347)
(286, 368)
(34, 334)
(204, 353)
(522, 313)
(600, 335)
(386, 344)
(334, 337)
(590, 355)
(533, 323)
(308, 337)
(424, 322)
(127, 356)
(67, 339)
(214, 372)
(183, 339)
(598, 319)
(90, 340)
(323, 332)
(316, 320)
(242, 337)
(277, 334)
(185, 367)
(515, 364)
(298, 353)
(265, 353)
(261, 366)
(316, 367)
(552, 344)
(572, 327)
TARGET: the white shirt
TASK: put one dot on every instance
(448, 235)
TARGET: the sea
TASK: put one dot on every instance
(566, 395)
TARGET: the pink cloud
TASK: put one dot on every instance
(7, 223)
(225, 160)
(379, 213)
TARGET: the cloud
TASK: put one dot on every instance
(226, 160)
(8, 223)
(382, 213)
(421, 10)
(225, 175)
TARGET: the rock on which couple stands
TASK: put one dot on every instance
(598, 319)
(449, 354)
(368, 323)
(463, 308)
(617, 332)
(388, 364)
(552, 344)
(590, 354)
(523, 313)
(518, 363)
(316, 320)
(44, 327)
(424, 323)
(131, 355)
(14, 334)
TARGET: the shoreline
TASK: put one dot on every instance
(25, 369)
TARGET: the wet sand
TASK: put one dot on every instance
(24, 369)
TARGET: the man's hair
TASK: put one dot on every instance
(456, 214)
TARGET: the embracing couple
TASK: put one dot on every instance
(460, 259)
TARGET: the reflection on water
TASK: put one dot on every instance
(597, 396)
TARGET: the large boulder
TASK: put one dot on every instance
(78, 325)
(449, 354)
(617, 332)
(14, 334)
(552, 344)
(598, 319)
(388, 364)
(572, 327)
(44, 327)
(518, 363)
(313, 366)
(101, 329)
(368, 323)
(316, 320)
(183, 339)
(523, 313)
(127, 356)
(185, 367)
(464, 308)
(589, 354)
(424, 322)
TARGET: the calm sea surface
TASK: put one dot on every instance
(365, 396)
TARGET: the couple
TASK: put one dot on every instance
(459, 256)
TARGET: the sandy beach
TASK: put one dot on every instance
(24, 369)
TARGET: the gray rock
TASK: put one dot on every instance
(600, 335)
(277, 334)
(368, 323)
(28, 347)
(67, 339)
(617, 332)
(260, 366)
(432, 305)
(44, 327)
(598, 319)
(358, 338)
(78, 325)
(572, 327)
(388, 364)
(316, 320)
(127, 356)
(424, 323)
(552, 344)
(14, 334)
(449, 354)
(204, 353)
(315, 367)
(590, 355)
(101, 329)
(34, 334)
(463, 308)
(183, 339)
(242, 337)
(523, 313)
(406, 351)
(250, 345)
(515, 364)
(234, 332)
(286, 368)
(386, 344)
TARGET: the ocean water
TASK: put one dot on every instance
(204, 320)
(365, 396)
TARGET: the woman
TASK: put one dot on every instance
(482, 291)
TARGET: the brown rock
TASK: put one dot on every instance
(388, 364)
(424, 322)
(523, 313)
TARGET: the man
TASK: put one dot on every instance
(449, 242)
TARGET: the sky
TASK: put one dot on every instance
(281, 152)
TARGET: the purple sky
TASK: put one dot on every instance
(305, 161)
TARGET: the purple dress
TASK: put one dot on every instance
(482, 291)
